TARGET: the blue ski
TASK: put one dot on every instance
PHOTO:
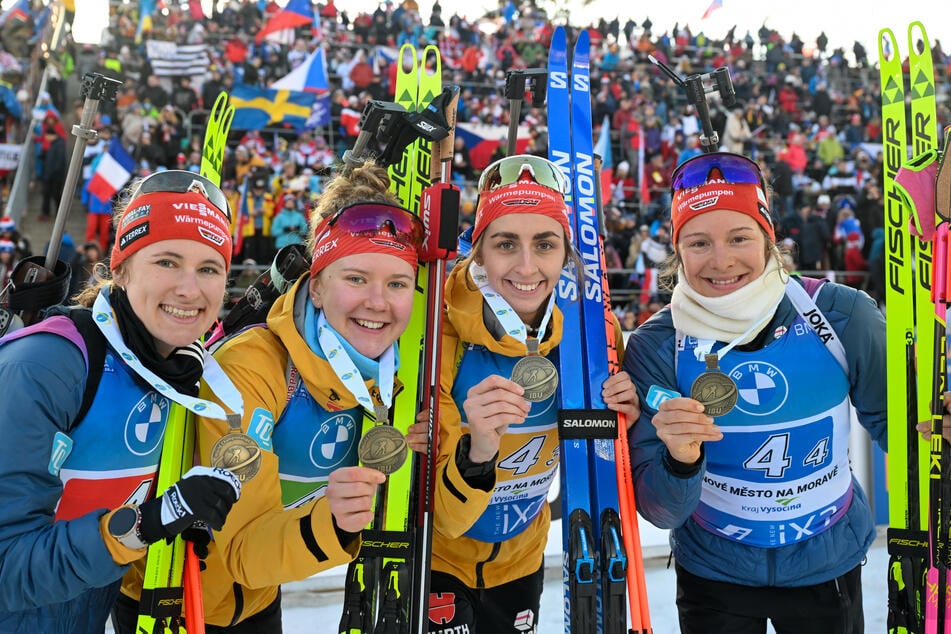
(595, 562)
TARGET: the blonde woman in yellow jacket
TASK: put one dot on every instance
(306, 506)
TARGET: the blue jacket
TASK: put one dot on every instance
(55, 576)
(667, 493)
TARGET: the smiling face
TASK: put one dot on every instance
(176, 288)
(367, 298)
(721, 251)
(523, 255)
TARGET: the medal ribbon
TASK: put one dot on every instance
(213, 375)
(347, 372)
(704, 345)
(511, 322)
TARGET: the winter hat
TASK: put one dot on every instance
(718, 181)
(7, 224)
(7, 247)
(157, 216)
(823, 200)
(524, 197)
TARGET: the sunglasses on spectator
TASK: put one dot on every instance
(511, 169)
(370, 218)
(184, 181)
(731, 168)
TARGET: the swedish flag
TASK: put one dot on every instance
(256, 108)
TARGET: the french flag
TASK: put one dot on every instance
(113, 171)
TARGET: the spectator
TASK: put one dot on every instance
(290, 225)
(8, 260)
(259, 207)
(54, 168)
(736, 133)
(813, 241)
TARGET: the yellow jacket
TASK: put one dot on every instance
(459, 506)
(263, 544)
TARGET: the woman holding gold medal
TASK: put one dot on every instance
(498, 410)
(326, 356)
(750, 467)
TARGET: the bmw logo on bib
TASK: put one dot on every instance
(334, 441)
(762, 387)
(145, 424)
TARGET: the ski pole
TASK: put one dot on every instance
(194, 606)
(95, 88)
(627, 508)
(38, 282)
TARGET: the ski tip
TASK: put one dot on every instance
(916, 33)
(887, 45)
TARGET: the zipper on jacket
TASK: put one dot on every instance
(480, 579)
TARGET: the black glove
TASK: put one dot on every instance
(200, 536)
(204, 494)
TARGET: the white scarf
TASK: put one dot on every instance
(727, 317)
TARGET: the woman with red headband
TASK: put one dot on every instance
(326, 356)
(746, 381)
(63, 550)
(494, 433)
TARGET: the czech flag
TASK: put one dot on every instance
(310, 76)
(296, 13)
(481, 139)
(113, 171)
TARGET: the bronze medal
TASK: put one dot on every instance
(383, 448)
(237, 452)
(538, 376)
(714, 389)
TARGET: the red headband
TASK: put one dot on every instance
(520, 198)
(158, 216)
(334, 242)
(744, 198)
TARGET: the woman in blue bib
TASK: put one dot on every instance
(746, 381)
(78, 503)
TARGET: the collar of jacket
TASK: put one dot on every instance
(286, 321)
(464, 312)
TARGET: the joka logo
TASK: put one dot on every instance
(442, 607)
(762, 387)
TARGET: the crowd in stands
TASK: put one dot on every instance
(809, 115)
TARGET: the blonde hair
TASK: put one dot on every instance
(368, 182)
(101, 278)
